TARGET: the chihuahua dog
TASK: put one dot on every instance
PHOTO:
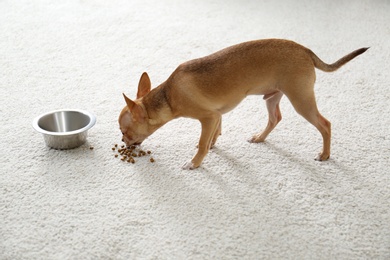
(208, 87)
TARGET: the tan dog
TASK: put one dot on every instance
(208, 87)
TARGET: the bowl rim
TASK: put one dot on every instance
(91, 123)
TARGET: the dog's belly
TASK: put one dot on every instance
(226, 100)
(227, 108)
(227, 104)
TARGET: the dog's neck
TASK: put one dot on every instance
(156, 104)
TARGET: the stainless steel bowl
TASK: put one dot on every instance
(64, 129)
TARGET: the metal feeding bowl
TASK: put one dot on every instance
(64, 129)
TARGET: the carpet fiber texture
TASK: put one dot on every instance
(246, 201)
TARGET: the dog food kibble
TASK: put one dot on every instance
(127, 154)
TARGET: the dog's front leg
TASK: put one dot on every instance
(217, 133)
(210, 126)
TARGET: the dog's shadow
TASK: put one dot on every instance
(306, 164)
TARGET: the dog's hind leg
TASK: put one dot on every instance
(274, 116)
(305, 104)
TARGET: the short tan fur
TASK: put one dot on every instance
(208, 87)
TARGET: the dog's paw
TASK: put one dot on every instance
(322, 157)
(250, 140)
(188, 166)
(256, 139)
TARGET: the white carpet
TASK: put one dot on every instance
(247, 201)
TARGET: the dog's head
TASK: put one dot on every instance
(133, 119)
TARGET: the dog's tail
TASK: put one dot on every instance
(319, 64)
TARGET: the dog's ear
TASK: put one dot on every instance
(136, 110)
(144, 85)
(130, 103)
